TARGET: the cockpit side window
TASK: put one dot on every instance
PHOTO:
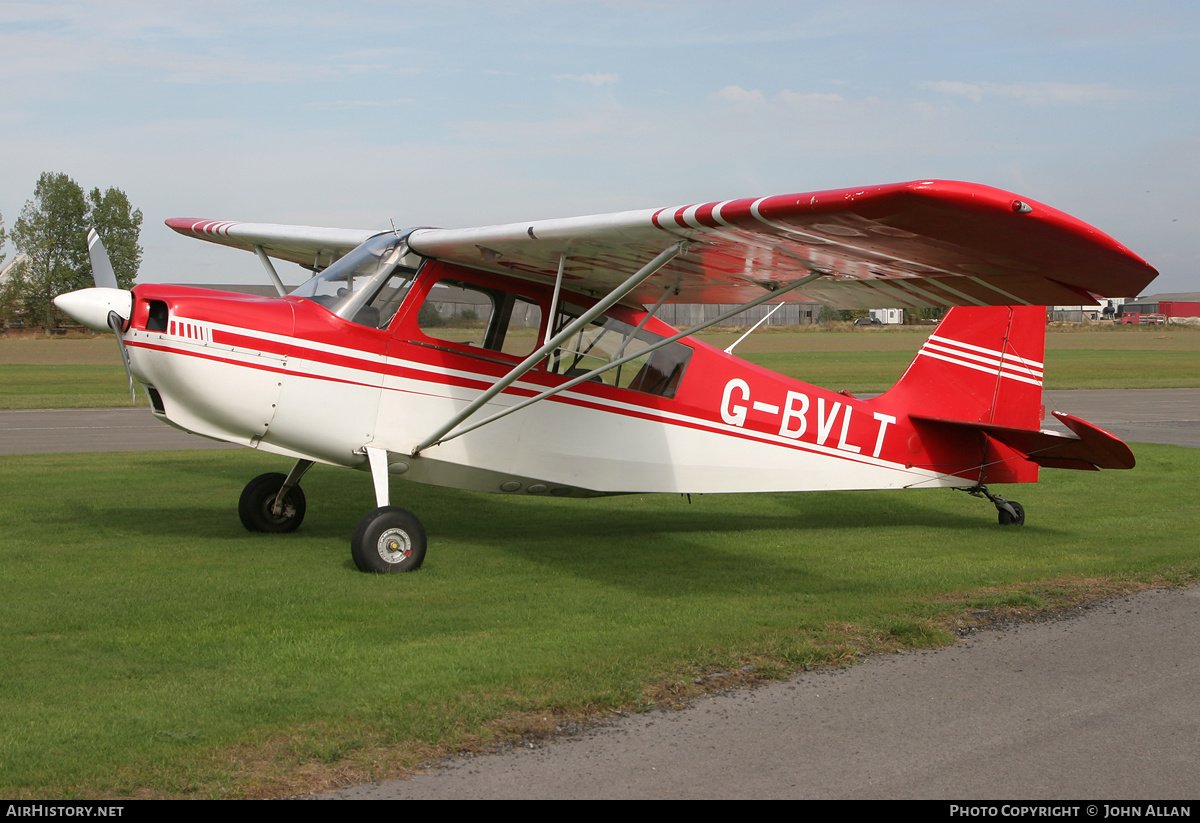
(482, 317)
(383, 305)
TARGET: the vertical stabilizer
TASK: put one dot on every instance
(980, 365)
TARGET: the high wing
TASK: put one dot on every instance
(920, 244)
(312, 247)
(925, 243)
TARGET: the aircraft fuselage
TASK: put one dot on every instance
(286, 375)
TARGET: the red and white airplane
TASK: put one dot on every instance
(568, 385)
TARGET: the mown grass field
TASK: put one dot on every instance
(152, 647)
(87, 372)
(872, 359)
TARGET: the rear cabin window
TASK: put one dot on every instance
(607, 339)
(495, 320)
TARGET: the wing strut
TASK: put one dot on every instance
(612, 364)
(667, 292)
(641, 275)
(729, 349)
(274, 275)
(562, 263)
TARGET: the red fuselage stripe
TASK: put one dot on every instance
(485, 381)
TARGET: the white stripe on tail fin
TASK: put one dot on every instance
(981, 365)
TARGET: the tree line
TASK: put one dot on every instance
(50, 238)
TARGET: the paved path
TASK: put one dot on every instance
(38, 431)
(1099, 706)
(1142, 415)
(1137, 415)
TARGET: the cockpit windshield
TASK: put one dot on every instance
(368, 284)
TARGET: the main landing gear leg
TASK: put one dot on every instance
(389, 539)
(273, 502)
(1011, 513)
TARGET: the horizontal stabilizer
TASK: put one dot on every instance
(1092, 448)
(1104, 450)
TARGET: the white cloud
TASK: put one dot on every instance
(230, 69)
(739, 96)
(1035, 94)
(805, 100)
(359, 104)
(592, 79)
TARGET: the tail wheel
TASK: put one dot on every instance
(389, 539)
(1008, 519)
(256, 507)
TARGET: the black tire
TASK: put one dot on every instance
(257, 499)
(1007, 519)
(389, 539)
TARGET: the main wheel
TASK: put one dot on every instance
(389, 539)
(1007, 519)
(258, 499)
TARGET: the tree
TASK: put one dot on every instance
(119, 225)
(11, 291)
(52, 233)
(832, 315)
(924, 315)
(8, 286)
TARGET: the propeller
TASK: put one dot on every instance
(102, 271)
(105, 307)
(118, 324)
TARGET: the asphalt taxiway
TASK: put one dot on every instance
(1101, 705)
(1136, 415)
(45, 431)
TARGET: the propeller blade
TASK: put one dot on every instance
(102, 270)
(117, 323)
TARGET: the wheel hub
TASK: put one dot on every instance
(286, 512)
(394, 546)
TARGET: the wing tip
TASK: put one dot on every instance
(197, 227)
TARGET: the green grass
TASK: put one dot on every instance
(855, 371)
(876, 371)
(871, 360)
(152, 647)
(87, 373)
(63, 387)
(1113, 369)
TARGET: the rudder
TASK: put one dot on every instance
(980, 365)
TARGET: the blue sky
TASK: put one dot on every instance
(463, 113)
